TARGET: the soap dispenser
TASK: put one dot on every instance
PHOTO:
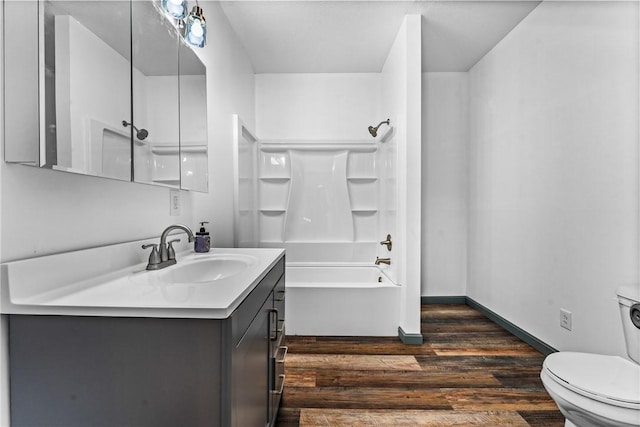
(203, 240)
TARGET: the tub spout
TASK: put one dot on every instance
(383, 261)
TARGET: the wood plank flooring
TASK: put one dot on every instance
(468, 372)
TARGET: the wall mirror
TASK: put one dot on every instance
(114, 89)
(193, 121)
(156, 116)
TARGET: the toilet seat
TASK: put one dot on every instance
(609, 379)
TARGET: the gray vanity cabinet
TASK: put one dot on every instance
(278, 350)
(116, 371)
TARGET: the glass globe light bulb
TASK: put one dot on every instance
(196, 29)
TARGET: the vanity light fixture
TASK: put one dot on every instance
(176, 9)
(195, 32)
(192, 26)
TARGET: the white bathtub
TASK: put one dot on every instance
(341, 299)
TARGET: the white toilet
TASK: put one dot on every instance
(598, 390)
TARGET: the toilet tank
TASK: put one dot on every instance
(627, 297)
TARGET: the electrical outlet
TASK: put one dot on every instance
(565, 319)
(174, 202)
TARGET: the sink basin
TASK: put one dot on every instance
(207, 269)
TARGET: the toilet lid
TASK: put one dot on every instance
(607, 377)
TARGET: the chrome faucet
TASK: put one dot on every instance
(383, 261)
(166, 256)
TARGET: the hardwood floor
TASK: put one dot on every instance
(468, 372)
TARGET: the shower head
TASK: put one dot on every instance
(374, 130)
(141, 134)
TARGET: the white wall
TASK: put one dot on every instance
(230, 90)
(554, 172)
(45, 212)
(402, 102)
(317, 106)
(445, 119)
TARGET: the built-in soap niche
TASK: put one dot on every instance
(274, 193)
(273, 190)
(362, 181)
(166, 165)
(271, 226)
(274, 165)
(363, 193)
(362, 165)
(365, 225)
(194, 166)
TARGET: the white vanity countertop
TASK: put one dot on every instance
(40, 286)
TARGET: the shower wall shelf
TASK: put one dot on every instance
(193, 149)
(167, 182)
(273, 193)
(165, 167)
(165, 150)
(275, 178)
(362, 178)
(271, 226)
(365, 225)
(159, 163)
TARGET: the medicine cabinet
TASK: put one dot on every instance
(104, 88)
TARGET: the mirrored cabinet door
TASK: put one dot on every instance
(193, 121)
(87, 88)
(21, 82)
(156, 136)
(67, 83)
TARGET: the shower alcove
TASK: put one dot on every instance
(322, 201)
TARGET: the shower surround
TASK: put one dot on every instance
(320, 192)
(321, 201)
(329, 204)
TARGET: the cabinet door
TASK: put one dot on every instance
(250, 367)
(79, 371)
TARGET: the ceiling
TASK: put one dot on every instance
(339, 36)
